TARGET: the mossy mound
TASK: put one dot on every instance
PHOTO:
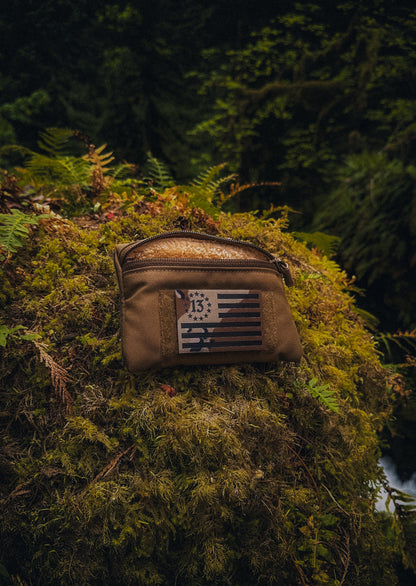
(242, 475)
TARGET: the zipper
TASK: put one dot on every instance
(284, 270)
(273, 262)
(276, 264)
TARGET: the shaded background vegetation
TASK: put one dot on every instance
(316, 101)
(316, 97)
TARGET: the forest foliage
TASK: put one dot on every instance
(306, 111)
(311, 105)
(295, 98)
(251, 474)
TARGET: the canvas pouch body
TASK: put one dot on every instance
(190, 298)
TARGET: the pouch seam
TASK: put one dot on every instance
(204, 269)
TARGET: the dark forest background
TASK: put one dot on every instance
(311, 105)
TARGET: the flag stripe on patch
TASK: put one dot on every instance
(211, 320)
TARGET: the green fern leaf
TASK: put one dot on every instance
(323, 394)
(59, 170)
(405, 341)
(158, 173)
(54, 141)
(14, 231)
(207, 175)
(5, 331)
(202, 201)
(121, 172)
(205, 186)
(325, 242)
(207, 180)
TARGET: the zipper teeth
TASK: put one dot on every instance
(132, 264)
(197, 235)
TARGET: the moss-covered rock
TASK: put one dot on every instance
(242, 475)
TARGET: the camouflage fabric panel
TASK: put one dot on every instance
(214, 320)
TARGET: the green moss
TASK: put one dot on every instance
(241, 477)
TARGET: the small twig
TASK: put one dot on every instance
(111, 465)
(301, 573)
(301, 263)
(309, 474)
(267, 507)
(219, 406)
(346, 561)
(18, 491)
(332, 497)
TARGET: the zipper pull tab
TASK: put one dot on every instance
(284, 270)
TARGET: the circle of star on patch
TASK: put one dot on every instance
(198, 302)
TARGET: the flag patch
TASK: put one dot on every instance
(212, 320)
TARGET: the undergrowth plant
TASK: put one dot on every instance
(15, 229)
(74, 181)
(81, 183)
(323, 394)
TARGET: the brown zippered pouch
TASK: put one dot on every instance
(192, 298)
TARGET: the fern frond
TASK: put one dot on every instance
(54, 141)
(14, 230)
(323, 394)
(122, 172)
(16, 148)
(206, 186)
(99, 161)
(237, 188)
(97, 156)
(370, 320)
(403, 520)
(405, 341)
(5, 331)
(202, 201)
(158, 173)
(206, 181)
(326, 243)
(60, 171)
(207, 175)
